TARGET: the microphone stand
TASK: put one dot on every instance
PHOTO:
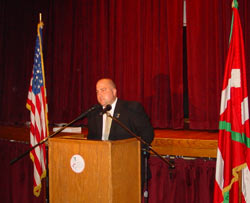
(149, 148)
(55, 133)
(141, 140)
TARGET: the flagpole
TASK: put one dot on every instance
(240, 186)
(42, 63)
(240, 172)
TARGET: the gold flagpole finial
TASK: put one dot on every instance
(40, 17)
(235, 4)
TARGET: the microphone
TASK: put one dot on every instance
(107, 108)
(88, 111)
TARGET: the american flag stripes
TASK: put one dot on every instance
(37, 104)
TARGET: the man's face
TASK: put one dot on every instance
(105, 92)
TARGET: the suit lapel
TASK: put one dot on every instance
(99, 126)
(114, 126)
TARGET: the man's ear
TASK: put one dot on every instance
(115, 91)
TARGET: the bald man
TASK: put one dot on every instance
(130, 113)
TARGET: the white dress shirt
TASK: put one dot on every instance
(105, 116)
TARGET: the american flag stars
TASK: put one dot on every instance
(37, 81)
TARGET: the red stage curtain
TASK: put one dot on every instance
(134, 42)
(208, 29)
(138, 43)
(190, 181)
(16, 183)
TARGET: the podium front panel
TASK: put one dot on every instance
(94, 171)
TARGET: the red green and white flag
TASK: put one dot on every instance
(233, 154)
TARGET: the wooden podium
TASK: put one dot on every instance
(94, 171)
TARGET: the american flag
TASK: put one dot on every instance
(37, 104)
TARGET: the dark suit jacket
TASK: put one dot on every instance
(132, 115)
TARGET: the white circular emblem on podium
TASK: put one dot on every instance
(77, 163)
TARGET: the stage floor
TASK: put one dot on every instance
(187, 143)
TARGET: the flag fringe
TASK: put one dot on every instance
(235, 178)
(37, 189)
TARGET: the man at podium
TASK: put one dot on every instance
(129, 113)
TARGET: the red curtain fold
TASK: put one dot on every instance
(17, 180)
(162, 61)
(18, 23)
(190, 181)
(205, 49)
(134, 42)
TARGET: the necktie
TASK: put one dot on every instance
(107, 127)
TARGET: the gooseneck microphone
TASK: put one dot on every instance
(84, 114)
(88, 111)
(107, 108)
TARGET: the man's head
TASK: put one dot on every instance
(105, 91)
